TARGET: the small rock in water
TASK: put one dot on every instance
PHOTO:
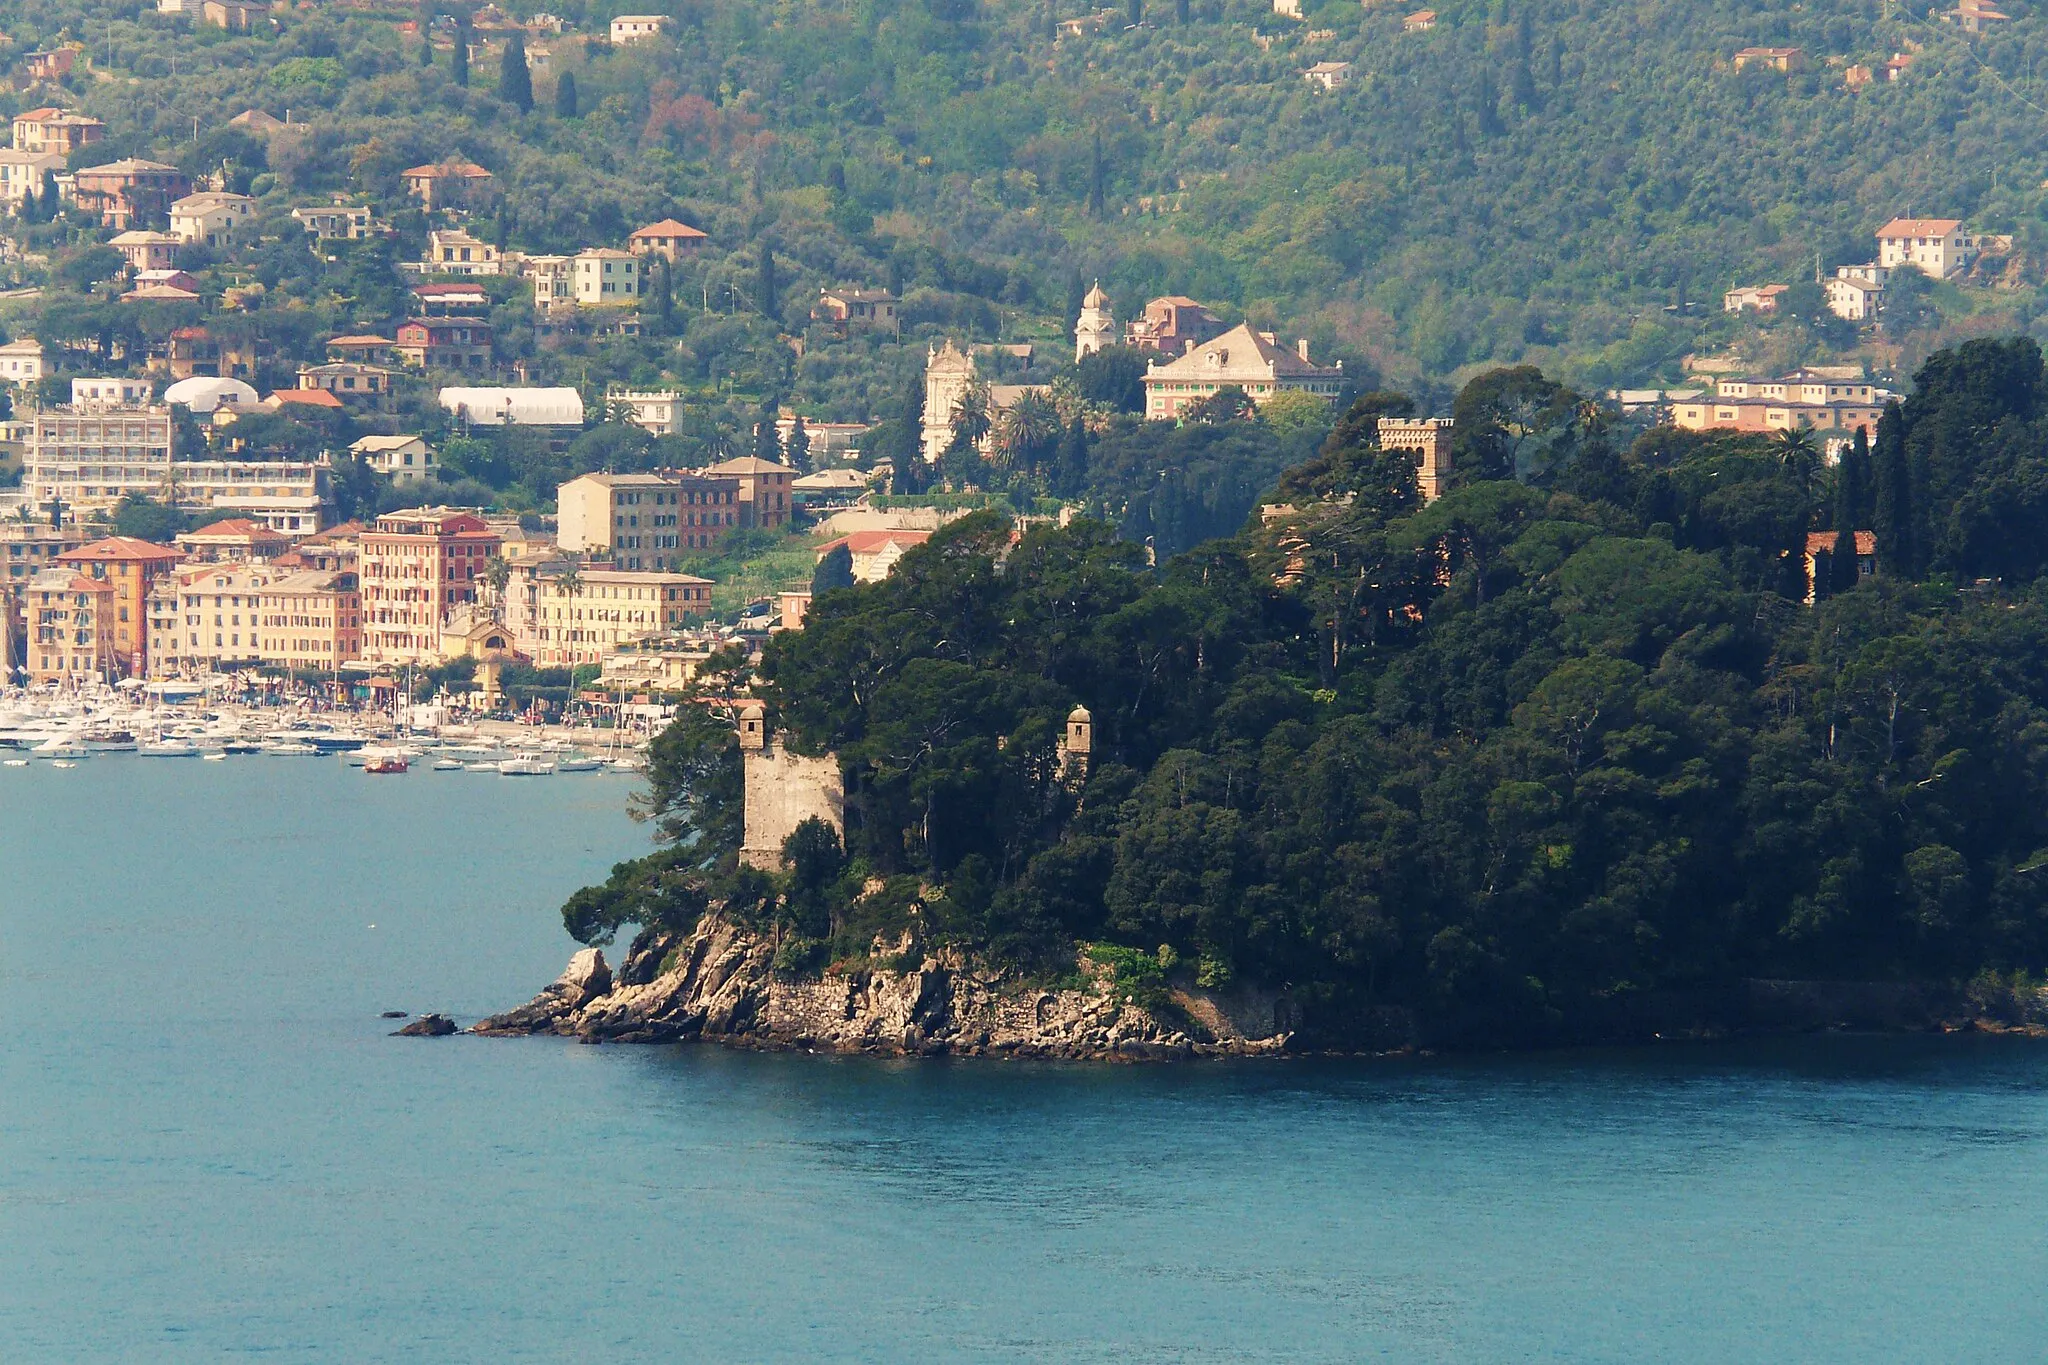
(427, 1026)
(392, 1014)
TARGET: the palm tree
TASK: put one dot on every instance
(1795, 450)
(1028, 427)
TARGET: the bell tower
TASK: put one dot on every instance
(1096, 327)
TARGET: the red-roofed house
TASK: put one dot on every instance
(1820, 543)
(669, 238)
(1938, 246)
(446, 184)
(315, 400)
(875, 552)
(130, 568)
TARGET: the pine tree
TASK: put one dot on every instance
(665, 294)
(1095, 179)
(1893, 518)
(565, 95)
(459, 69)
(515, 82)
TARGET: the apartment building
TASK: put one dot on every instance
(92, 456)
(765, 497)
(1937, 246)
(310, 621)
(55, 131)
(69, 620)
(416, 567)
(211, 217)
(404, 459)
(29, 547)
(202, 618)
(585, 616)
(645, 521)
(131, 568)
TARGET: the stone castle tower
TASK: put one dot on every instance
(1077, 748)
(1096, 327)
(783, 790)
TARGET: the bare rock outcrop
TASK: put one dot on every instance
(718, 982)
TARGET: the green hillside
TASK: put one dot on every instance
(1531, 181)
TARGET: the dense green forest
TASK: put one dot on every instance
(1569, 732)
(1532, 180)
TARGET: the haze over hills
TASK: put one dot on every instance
(1521, 182)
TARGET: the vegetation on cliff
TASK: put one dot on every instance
(1567, 733)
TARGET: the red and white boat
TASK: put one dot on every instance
(385, 763)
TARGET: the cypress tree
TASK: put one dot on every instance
(565, 95)
(767, 443)
(52, 204)
(1095, 179)
(515, 82)
(1848, 499)
(797, 453)
(1070, 463)
(1893, 518)
(665, 294)
(1180, 12)
(770, 301)
(459, 67)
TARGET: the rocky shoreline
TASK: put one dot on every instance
(718, 982)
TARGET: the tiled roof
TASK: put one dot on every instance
(119, 548)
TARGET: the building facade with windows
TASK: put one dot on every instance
(645, 522)
(414, 568)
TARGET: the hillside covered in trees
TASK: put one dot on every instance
(1531, 180)
(1568, 733)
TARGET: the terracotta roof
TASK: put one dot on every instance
(1823, 542)
(474, 291)
(366, 339)
(749, 464)
(115, 548)
(307, 398)
(1243, 347)
(333, 533)
(235, 526)
(42, 115)
(867, 542)
(667, 227)
(167, 292)
(450, 170)
(1919, 227)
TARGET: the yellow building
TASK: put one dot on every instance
(586, 616)
(70, 627)
(311, 621)
(1252, 362)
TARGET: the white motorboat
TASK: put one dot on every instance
(578, 763)
(526, 765)
(215, 757)
(63, 763)
(60, 746)
(481, 768)
(13, 762)
(289, 750)
(168, 748)
(447, 765)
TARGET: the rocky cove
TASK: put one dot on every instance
(717, 982)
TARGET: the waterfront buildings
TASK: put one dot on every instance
(310, 621)
(585, 616)
(416, 567)
(232, 540)
(130, 568)
(204, 617)
(92, 457)
(70, 628)
(29, 547)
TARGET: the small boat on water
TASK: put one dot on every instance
(290, 750)
(577, 763)
(447, 765)
(63, 763)
(60, 747)
(215, 757)
(526, 765)
(14, 762)
(481, 768)
(385, 763)
(168, 748)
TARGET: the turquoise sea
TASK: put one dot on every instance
(210, 1149)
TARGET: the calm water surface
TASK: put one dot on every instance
(209, 1148)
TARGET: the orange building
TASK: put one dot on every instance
(764, 489)
(416, 567)
(70, 635)
(131, 567)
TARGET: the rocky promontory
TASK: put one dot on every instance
(718, 982)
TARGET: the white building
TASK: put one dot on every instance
(1857, 291)
(1329, 75)
(637, 28)
(211, 216)
(91, 458)
(21, 362)
(404, 459)
(343, 222)
(1252, 362)
(112, 392)
(655, 410)
(21, 172)
(1096, 327)
(1938, 246)
(452, 251)
(527, 407)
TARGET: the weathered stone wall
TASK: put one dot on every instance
(784, 790)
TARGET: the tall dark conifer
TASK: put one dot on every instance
(770, 288)
(458, 69)
(1893, 506)
(565, 95)
(515, 82)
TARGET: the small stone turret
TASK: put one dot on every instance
(753, 728)
(782, 790)
(1077, 747)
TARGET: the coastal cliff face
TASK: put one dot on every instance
(717, 982)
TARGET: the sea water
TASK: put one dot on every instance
(210, 1148)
